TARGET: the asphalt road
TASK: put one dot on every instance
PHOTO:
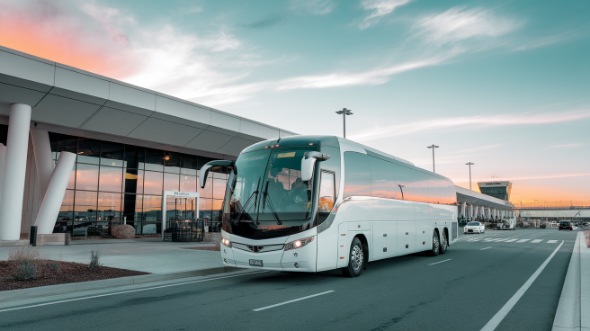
(503, 280)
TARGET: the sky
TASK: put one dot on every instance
(502, 84)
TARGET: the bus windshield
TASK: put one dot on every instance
(266, 197)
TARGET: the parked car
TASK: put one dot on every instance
(565, 225)
(474, 227)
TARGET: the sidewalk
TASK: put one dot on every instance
(164, 261)
(575, 295)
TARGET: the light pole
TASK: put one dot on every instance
(344, 112)
(433, 146)
(469, 164)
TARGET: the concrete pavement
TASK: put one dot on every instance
(169, 261)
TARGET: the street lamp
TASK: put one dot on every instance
(344, 112)
(433, 146)
(469, 164)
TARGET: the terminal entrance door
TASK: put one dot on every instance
(180, 211)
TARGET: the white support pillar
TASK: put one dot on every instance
(463, 209)
(13, 186)
(43, 158)
(2, 162)
(54, 196)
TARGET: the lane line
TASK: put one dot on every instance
(291, 301)
(439, 262)
(125, 292)
(536, 241)
(483, 249)
(523, 240)
(552, 241)
(501, 314)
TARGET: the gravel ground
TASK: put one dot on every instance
(49, 272)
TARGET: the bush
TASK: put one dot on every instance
(27, 262)
(94, 260)
(26, 270)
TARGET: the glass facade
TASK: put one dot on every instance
(112, 183)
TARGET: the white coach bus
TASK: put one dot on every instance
(316, 203)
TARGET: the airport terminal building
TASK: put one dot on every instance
(80, 152)
(126, 145)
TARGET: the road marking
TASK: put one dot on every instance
(127, 292)
(483, 249)
(439, 262)
(511, 240)
(523, 240)
(501, 314)
(552, 241)
(536, 241)
(294, 300)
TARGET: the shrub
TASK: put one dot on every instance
(23, 253)
(26, 270)
(94, 260)
(27, 260)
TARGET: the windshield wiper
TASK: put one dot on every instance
(272, 208)
(255, 193)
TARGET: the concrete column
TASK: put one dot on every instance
(463, 209)
(54, 196)
(13, 186)
(2, 160)
(43, 159)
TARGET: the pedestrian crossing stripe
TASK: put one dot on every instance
(534, 241)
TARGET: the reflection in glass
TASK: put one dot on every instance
(154, 159)
(111, 154)
(188, 183)
(152, 182)
(88, 151)
(152, 207)
(171, 182)
(134, 181)
(109, 206)
(206, 192)
(111, 179)
(87, 177)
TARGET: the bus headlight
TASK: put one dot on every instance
(298, 243)
(226, 242)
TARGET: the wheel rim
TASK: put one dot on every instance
(356, 257)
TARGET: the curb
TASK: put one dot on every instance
(569, 310)
(8, 297)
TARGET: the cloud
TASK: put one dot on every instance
(459, 24)
(565, 146)
(370, 77)
(312, 7)
(378, 9)
(554, 176)
(473, 122)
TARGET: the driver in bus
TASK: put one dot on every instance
(298, 193)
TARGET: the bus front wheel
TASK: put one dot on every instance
(356, 260)
(435, 244)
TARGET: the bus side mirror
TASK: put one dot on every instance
(308, 164)
(223, 166)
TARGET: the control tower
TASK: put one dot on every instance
(496, 189)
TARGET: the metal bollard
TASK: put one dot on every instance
(33, 236)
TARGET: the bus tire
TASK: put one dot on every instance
(356, 259)
(435, 244)
(444, 243)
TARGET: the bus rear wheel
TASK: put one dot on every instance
(435, 244)
(356, 260)
(444, 243)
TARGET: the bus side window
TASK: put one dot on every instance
(327, 195)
